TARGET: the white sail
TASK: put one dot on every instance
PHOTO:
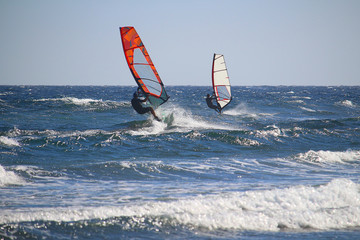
(221, 82)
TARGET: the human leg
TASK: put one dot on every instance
(153, 113)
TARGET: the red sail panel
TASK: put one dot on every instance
(141, 66)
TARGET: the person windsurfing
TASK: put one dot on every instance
(136, 103)
(209, 101)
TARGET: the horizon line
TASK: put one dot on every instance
(110, 85)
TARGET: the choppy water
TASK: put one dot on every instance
(279, 163)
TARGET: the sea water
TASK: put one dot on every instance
(281, 162)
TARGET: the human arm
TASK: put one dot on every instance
(144, 100)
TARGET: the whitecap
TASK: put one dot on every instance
(270, 131)
(85, 101)
(346, 103)
(73, 100)
(335, 205)
(9, 178)
(176, 119)
(329, 156)
(307, 109)
(296, 101)
(301, 97)
(6, 93)
(246, 142)
(10, 142)
(241, 110)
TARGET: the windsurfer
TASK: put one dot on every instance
(209, 101)
(139, 108)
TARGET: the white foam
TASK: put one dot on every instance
(296, 101)
(83, 101)
(37, 173)
(329, 156)
(301, 97)
(81, 134)
(9, 141)
(335, 205)
(6, 93)
(270, 131)
(246, 142)
(307, 109)
(183, 121)
(59, 134)
(9, 178)
(73, 100)
(241, 110)
(347, 103)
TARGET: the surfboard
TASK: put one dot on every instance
(142, 67)
(220, 81)
(167, 118)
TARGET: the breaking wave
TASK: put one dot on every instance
(10, 142)
(335, 205)
(241, 110)
(176, 119)
(9, 178)
(329, 156)
(346, 103)
(85, 102)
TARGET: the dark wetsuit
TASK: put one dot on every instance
(211, 105)
(136, 104)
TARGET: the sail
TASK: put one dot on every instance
(221, 82)
(141, 66)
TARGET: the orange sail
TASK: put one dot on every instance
(141, 66)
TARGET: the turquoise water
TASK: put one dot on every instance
(80, 163)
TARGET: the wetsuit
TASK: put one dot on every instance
(136, 104)
(211, 105)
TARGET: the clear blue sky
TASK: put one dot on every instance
(265, 42)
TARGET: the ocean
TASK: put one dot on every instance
(281, 162)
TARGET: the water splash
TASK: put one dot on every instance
(335, 205)
(9, 178)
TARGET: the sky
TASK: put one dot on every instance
(264, 42)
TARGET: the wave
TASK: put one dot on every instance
(270, 131)
(296, 101)
(329, 156)
(335, 205)
(85, 102)
(6, 93)
(43, 138)
(10, 142)
(241, 110)
(301, 97)
(346, 103)
(177, 119)
(9, 178)
(308, 109)
(15, 132)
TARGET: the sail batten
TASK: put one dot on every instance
(220, 80)
(142, 67)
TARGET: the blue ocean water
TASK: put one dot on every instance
(77, 162)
